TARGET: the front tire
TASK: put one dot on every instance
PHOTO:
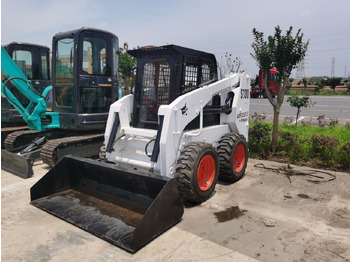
(197, 171)
(233, 157)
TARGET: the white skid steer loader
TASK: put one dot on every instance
(175, 136)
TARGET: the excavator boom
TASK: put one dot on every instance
(36, 110)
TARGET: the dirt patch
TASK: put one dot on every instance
(229, 214)
(270, 216)
(340, 218)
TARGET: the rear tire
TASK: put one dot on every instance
(197, 171)
(233, 157)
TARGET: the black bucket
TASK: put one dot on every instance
(18, 164)
(124, 207)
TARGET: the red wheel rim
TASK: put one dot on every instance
(206, 172)
(239, 158)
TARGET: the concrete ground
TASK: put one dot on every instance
(266, 216)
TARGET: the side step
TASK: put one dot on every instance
(124, 207)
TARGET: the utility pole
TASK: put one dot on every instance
(345, 71)
(300, 73)
(332, 67)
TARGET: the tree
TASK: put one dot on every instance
(319, 86)
(283, 52)
(229, 65)
(333, 82)
(304, 83)
(298, 102)
(127, 65)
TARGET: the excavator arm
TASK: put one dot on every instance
(36, 110)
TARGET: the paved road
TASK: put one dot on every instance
(331, 106)
(265, 217)
(30, 234)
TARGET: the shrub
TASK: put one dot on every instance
(292, 146)
(324, 149)
(260, 139)
(344, 156)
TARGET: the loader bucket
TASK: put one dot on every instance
(17, 164)
(124, 207)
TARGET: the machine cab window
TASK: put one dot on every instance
(64, 72)
(94, 57)
(155, 89)
(24, 61)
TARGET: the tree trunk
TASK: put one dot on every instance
(276, 111)
(126, 85)
(296, 120)
(276, 115)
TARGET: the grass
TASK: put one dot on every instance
(327, 147)
(320, 93)
(306, 131)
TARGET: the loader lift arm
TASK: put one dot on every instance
(35, 112)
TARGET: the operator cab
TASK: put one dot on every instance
(163, 74)
(34, 61)
(85, 71)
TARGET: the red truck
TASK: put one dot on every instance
(258, 87)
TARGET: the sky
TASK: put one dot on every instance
(214, 26)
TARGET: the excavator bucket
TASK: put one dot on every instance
(124, 207)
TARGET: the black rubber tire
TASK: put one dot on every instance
(186, 171)
(264, 95)
(226, 150)
(256, 95)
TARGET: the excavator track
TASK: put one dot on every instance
(9, 129)
(12, 139)
(5, 131)
(84, 146)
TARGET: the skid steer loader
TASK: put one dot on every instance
(171, 140)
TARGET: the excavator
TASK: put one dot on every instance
(34, 62)
(84, 85)
(169, 142)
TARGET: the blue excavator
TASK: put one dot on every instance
(84, 85)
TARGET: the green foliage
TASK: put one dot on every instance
(320, 93)
(305, 82)
(298, 102)
(259, 138)
(283, 52)
(127, 65)
(327, 147)
(291, 144)
(344, 156)
(319, 86)
(333, 82)
(323, 148)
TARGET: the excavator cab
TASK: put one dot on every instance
(34, 62)
(84, 85)
(84, 77)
